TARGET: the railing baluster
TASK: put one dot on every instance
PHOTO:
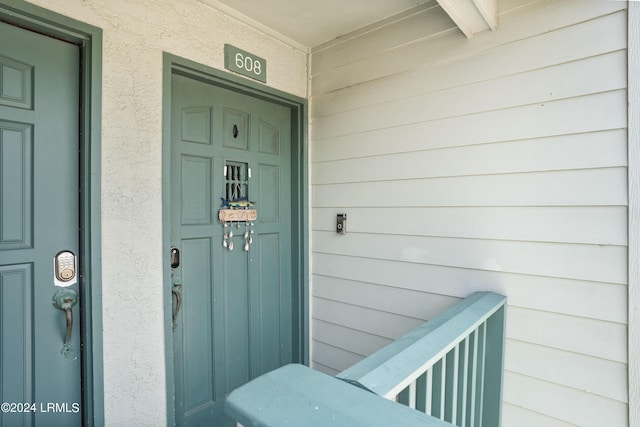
(474, 377)
(481, 370)
(443, 387)
(465, 380)
(412, 395)
(429, 391)
(453, 383)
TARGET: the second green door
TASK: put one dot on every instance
(40, 349)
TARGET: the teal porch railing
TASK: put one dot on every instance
(449, 367)
(448, 370)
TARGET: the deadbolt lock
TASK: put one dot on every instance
(65, 267)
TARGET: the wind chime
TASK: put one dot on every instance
(233, 217)
(236, 209)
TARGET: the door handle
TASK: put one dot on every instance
(64, 300)
(176, 287)
(176, 301)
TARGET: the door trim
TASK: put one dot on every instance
(299, 200)
(89, 40)
(633, 117)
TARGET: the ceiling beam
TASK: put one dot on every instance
(472, 16)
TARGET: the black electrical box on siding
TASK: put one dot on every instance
(341, 223)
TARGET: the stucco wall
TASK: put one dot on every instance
(134, 42)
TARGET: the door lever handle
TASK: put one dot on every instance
(176, 286)
(64, 300)
(176, 300)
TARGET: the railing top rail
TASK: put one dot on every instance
(392, 368)
(296, 395)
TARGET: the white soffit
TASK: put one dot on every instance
(304, 24)
(310, 23)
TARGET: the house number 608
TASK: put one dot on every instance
(247, 63)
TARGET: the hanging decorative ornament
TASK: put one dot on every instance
(231, 216)
(231, 236)
(246, 236)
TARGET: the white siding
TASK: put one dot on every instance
(493, 163)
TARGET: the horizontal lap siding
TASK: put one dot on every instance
(513, 415)
(493, 163)
(564, 403)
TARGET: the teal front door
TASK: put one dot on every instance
(40, 377)
(231, 285)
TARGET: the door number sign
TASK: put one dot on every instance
(245, 63)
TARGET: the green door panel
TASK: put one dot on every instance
(39, 151)
(235, 320)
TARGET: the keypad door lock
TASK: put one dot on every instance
(65, 268)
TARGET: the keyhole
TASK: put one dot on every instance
(235, 131)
